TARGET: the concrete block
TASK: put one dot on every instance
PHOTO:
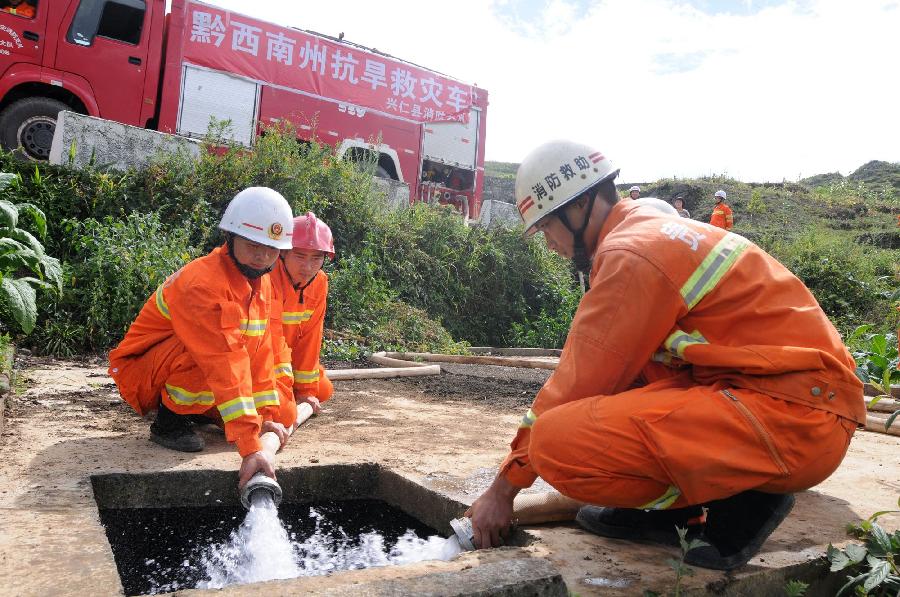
(395, 193)
(112, 144)
(498, 213)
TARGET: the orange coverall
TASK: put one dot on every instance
(303, 317)
(209, 341)
(23, 10)
(722, 216)
(696, 367)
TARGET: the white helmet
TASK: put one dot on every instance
(720, 193)
(657, 204)
(633, 189)
(261, 215)
(554, 174)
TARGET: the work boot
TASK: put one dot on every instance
(642, 526)
(737, 527)
(173, 431)
(207, 424)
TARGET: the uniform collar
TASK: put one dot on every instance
(235, 278)
(617, 214)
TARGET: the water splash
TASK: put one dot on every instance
(261, 549)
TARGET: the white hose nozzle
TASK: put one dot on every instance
(462, 528)
(260, 482)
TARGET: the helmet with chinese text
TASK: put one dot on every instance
(261, 215)
(554, 174)
(721, 193)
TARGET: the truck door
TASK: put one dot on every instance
(106, 42)
(22, 34)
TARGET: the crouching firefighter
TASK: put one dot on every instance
(302, 287)
(209, 345)
(700, 385)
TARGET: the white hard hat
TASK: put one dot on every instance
(720, 193)
(554, 174)
(261, 215)
(657, 204)
(633, 189)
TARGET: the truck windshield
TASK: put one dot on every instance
(121, 20)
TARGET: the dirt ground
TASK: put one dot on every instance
(448, 432)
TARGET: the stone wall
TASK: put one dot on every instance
(111, 144)
(499, 189)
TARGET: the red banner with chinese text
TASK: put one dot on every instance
(293, 59)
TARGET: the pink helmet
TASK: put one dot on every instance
(312, 233)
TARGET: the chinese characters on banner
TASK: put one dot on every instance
(234, 43)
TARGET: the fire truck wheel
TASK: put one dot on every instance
(29, 124)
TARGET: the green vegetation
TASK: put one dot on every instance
(681, 569)
(500, 169)
(415, 279)
(24, 265)
(874, 566)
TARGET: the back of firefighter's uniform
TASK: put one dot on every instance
(303, 319)
(209, 341)
(696, 367)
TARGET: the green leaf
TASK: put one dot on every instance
(838, 559)
(879, 344)
(26, 238)
(856, 553)
(40, 220)
(890, 420)
(879, 572)
(6, 179)
(53, 272)
(21, 299)
(10, 245)
(853, 580)
(858, 332)
(881, 537)
(9, 214)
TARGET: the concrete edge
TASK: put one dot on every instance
(816, 573)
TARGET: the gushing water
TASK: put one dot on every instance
(261, 549)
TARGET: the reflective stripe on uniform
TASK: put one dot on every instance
(679, 340)
(714, 266)
(295, 317)
(664, 501)
(301, 376)
(284, 370)
(266, 398)
(528, 420)
(161, 303)
(253, 327)
(237, 407)
(186, 398)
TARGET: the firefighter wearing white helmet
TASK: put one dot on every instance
(554, 175)
(687, 332)
(260, 217)
(203, 344)
(634, 192)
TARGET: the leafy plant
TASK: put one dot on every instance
(681, 569)
(24, 266)
(877, 362)
(795, 588)
(872, 566)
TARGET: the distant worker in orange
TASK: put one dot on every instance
(722, 216)
(634, 192)
(698, 373)
(202, 344)
(19, 8)
(302, 287)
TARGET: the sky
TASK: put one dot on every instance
(758, 90)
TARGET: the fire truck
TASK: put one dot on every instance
(131, 62)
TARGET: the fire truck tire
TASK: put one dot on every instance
(27, 126)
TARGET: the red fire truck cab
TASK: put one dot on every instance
(129, 61)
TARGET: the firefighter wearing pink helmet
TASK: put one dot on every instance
(302, 288)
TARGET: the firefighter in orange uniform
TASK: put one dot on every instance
(722, 216)
(203, 344)
(302, 287)
(18, 8)
(700, 384)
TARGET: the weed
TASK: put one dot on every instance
(873, 566)
(795, 588)
(681, 569)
